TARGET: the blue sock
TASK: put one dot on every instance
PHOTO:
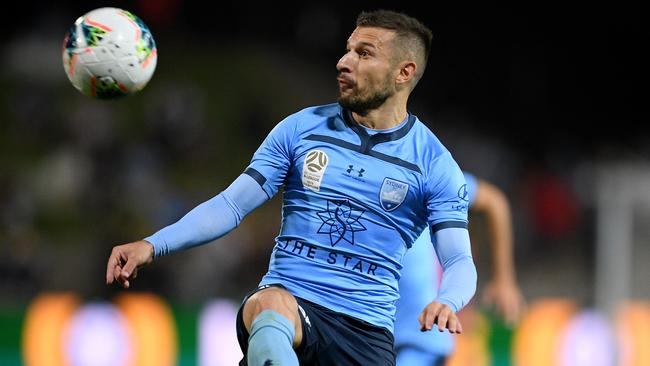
(271, 341)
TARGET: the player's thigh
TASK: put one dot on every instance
(278, 300)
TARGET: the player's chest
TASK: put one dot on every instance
(373, 180)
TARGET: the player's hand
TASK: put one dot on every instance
(506, 298)
(125, 260)
(441, 315)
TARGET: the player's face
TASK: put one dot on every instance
(366, 70)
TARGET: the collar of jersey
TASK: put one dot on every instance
(367, 140)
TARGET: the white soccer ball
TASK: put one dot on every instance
(109, 53)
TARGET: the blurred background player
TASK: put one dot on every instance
(421, 278)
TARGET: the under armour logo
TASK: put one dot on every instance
(351, 168)
(268, 363)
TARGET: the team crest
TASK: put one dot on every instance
(392, 193)
(313, 169)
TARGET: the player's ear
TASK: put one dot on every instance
(406, 72)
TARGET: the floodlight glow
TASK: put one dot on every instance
(218, 344)
(97, 336)
(588, 341)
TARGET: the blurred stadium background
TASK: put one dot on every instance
(543, 100)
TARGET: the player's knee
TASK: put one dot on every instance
(272, 298)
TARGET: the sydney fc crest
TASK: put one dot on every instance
(392, 193)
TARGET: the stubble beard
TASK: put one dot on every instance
(363, 104)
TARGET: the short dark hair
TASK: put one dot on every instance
(413, 35)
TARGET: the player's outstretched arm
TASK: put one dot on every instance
(206, 222)
(502, 290)
(124, 261)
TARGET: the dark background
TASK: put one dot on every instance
(544, 73)
(531, 97)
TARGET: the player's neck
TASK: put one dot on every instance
(382, 118)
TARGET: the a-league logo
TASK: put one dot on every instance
(313, 169)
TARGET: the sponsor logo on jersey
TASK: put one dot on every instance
(392, 194)
(463, 194)
(313, 169)
(340, 221)
(461, 202)
(333, 257)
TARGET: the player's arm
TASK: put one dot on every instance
(502, 290)
(208, 221)
(216, 217)
(447, 206)
(458, 279)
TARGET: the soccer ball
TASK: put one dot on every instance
(109, 53)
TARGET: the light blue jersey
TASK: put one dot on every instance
(418, 287)
(354, 201)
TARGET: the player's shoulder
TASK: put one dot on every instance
(316, 112)
(437, 161)
(308, 117)
(325, 116)
(469, 176)
(427, 138)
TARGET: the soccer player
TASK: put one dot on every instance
(420, 278)
(361, 178)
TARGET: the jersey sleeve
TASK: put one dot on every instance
(447, 206)
(211, 219)
(453, 248)
(272, 160)
(472, 186)
(221, 214)
(446, 194)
